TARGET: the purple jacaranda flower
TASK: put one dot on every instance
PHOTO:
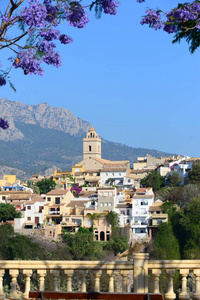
(109, 7)
(46, 47)
(3, 124)
(170, 28)
(29, 62)
(65, 39)
(50, 34)
(35, 14)
(2, 81)
(76, 15)
(52, 11)
(152, 18)
(52, 59)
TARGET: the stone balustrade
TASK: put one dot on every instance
(139, 269)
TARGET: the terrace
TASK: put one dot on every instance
(138, 269)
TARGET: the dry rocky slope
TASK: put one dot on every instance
(42, 138)
(42, 114)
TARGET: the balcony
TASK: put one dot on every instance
(138, 225)
(138, 269)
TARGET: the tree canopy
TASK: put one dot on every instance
(194, 174)
(92, 217)
(166, 245)
(183, 21)
(16, 246)
(154, 180)
(113, 218)
(45, 185)
(8, 212)
(82, 245)
(175, 179)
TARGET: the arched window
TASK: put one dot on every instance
(102, 236)
(90, 148)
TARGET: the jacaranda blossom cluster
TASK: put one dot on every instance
(109, 7)
(183, 21)
(37, 22)
(37, 33)
(152, 18)
(3, 124)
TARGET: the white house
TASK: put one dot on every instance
(32, 213)
(182, 168)
(140, 215)
(125, 213)
(129, 182)
(113, 176)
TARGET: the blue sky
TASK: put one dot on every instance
(128, 80)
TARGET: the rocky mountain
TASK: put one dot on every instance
(42, 138)
(42, 115)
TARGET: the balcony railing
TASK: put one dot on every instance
(138, 269)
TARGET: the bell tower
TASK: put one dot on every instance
(92, 144)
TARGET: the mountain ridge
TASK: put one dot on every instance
(43, 138)
(42, 114)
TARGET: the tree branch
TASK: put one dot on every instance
(14, 6)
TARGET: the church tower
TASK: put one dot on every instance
(92, 144)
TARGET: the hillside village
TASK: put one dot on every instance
(94, 187)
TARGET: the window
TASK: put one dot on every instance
(4, 198)
(90, 148)
(57, 200)
(105, 194)
(120, 174)
(139, 230)
(28, 218)
(88, 222)
(48, 199)
(113, 174)
(128, 212)
(28, 207)
(105, 204)
(110, 204)
(143, 211)
(129, 180)
(101, 194)
(111, 194)
(101, 203)
(144, 203)
(106, 174)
